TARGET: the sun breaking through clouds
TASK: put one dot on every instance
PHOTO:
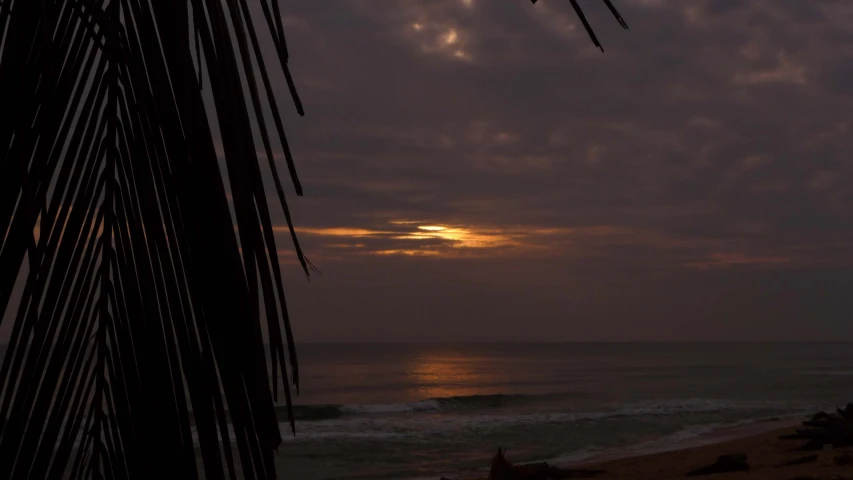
(403, 237)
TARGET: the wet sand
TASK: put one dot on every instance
(764, 451)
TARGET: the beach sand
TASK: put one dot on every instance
(764, 451)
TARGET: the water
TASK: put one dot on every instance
(422, 411)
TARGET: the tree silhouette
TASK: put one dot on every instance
(143, 281)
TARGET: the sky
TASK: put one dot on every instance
(476, 170)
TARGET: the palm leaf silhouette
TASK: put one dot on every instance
(144, 280)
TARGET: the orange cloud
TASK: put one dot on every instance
(414, 238)
(340, 232)
(410, 238)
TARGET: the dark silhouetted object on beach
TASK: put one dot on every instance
(826, 430)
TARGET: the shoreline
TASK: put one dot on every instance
(669, 444)
(759, 441)
(764, 451)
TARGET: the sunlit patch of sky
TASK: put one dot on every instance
(428, 239)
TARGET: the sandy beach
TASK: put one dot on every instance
(765, 453)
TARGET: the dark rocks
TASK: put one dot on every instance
(727, 463)
(843, 459)
(835, 430)
(819, 420)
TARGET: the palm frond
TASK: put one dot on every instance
(141, 305)
(139, 326)
(588, 27)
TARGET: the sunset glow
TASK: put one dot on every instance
(463, 237)
(412, 238)
(340, 232)
(431, 239)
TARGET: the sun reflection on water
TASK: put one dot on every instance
(444, 376)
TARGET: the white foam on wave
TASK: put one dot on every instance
(416, 428)
(698, 405)
(652, 407)
(388, 408)
(383, 422)
(577, 456)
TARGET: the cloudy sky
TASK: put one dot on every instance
(478, 170)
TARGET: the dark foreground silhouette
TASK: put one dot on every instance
(825, 429)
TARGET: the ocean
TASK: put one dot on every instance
(418, 411)
(422, 411)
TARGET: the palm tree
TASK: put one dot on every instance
(143, 282)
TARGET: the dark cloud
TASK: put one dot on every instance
(694, 178)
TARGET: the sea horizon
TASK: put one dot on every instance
(569, 342)
(555, 342)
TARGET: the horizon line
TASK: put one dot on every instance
(562, 342)
(566, 342)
